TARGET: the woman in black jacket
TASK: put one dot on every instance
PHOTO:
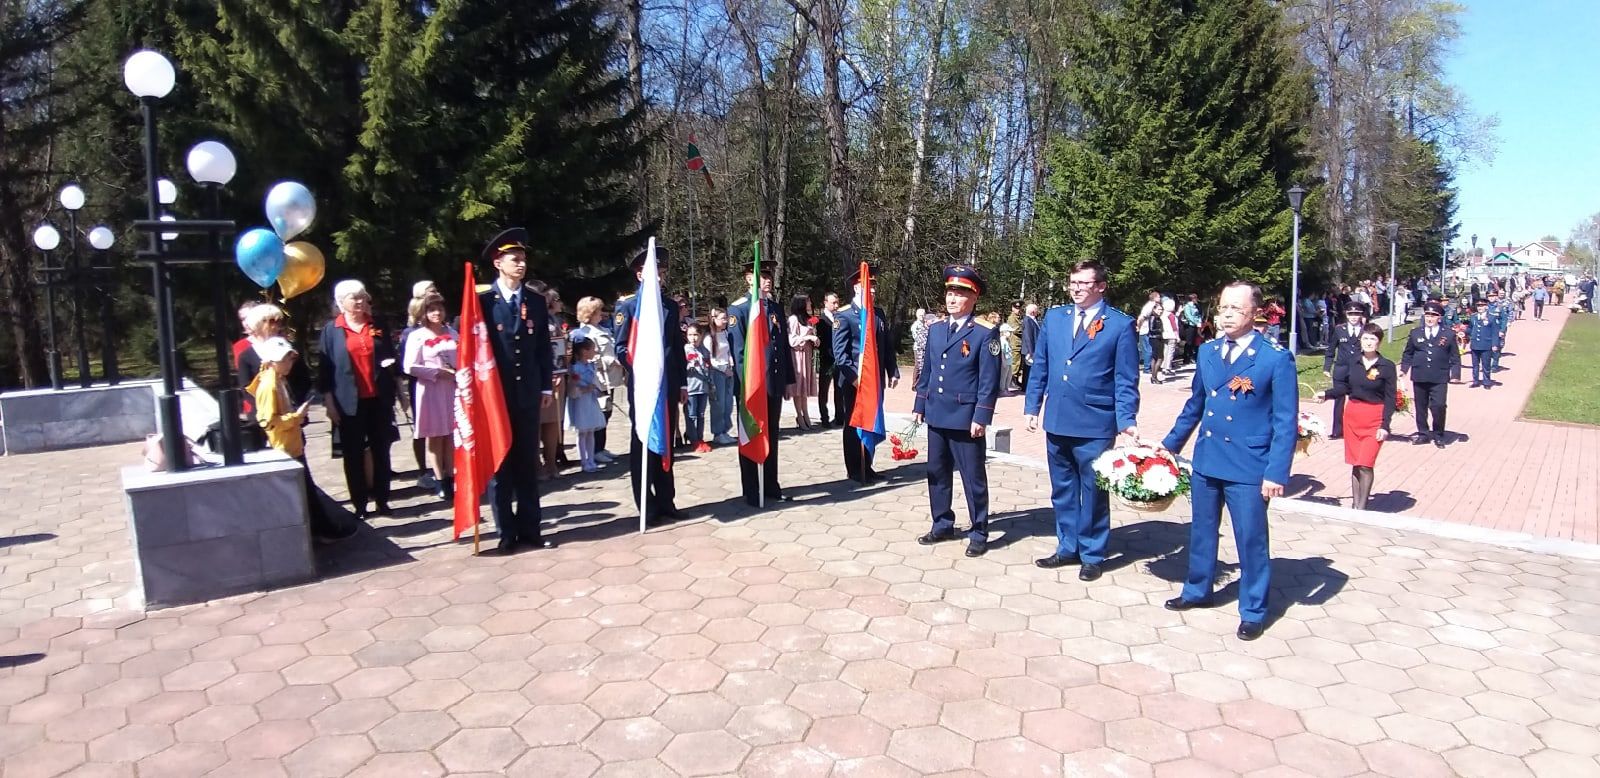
(1369, 382)
(356, 377)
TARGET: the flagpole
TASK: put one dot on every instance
(476, 520)
(694, 287)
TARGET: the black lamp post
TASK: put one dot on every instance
(72, 199)
(100, 239)
(1297, 196)
(46, 238)
(213, 165)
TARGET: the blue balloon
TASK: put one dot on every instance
(260, 255)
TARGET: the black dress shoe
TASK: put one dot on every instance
(1180, 604)
(1420, 440)
(1056, 560)
(1335, 437)
(1250, 630)
(977, 548)
(382, 510)
(1438, 444)
(539, 544)
(1089, 572)
(505, 550)
(938, 537)
(669, 512)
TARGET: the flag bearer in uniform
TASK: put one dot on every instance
(519, 335)
(1086, 375)
(956, 394)
(1244, 399)
(663, 489)
(779, 374)
(847, 345)
(1430, 357)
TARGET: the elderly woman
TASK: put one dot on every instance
(356, 377)
(263, 322)
(591, 321)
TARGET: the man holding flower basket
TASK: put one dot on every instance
(956, 393)
(1244, 400)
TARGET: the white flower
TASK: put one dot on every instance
(1159, 480)
(1102, 463)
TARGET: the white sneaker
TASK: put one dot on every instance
(604, 457)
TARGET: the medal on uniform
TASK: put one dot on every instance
(965, 349)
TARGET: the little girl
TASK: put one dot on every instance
(583, 400)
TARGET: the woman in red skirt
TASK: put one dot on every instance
(1368, 382)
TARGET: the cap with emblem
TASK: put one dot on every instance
(513, 238)
(855, 275)
(638, 259)
(1434, 308)
(750, 267)
(1480, 301)
(1356, 308)
(964, 277)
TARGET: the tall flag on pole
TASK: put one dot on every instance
(483, 426)
(867, 417)
(647, 348)
(753, 421)
(698, 163)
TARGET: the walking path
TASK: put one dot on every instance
(815, 639)
(1500, 473)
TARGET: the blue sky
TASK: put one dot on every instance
(1532, 63)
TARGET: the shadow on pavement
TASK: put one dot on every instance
(18, 540)
(18, 660)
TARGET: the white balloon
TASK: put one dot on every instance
(290, 209)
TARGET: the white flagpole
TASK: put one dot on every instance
(644, 447)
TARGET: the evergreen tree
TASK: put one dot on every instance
(1190, 133)
(1418, 196)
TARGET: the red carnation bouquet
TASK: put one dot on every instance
(903, 443)
(1402, 403)
(1142, 476)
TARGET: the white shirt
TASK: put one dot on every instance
(1086, 315)
(1241, 344)
(509, 295)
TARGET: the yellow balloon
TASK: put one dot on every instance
(303, 268)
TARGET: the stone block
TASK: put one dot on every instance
(215, 532)
(47, 420)
(999, 439)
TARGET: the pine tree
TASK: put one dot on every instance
(1190, 133)
(1419, 197)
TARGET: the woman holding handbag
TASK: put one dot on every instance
(356, 377)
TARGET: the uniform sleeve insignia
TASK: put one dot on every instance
(994, 348)
(619, 318)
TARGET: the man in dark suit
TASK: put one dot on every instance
(1030, 340)
(847, 345)
(663, 489)
(825, 325)
(1430, 355)
(517, 319)
(780, 373)
(1344, 343)
(1088, 385)
(956, 394)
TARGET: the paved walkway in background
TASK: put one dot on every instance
(818, 639)
(1500, 472)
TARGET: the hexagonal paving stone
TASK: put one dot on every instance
(704, 753)
(848, 737)
(480, 750)
(931, 749)
(622, 739)
(981, 719)
(698, 712)
(413, 731)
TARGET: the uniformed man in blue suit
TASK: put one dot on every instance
(956, 394)
(663, 489)
(1343, 344)
(1244, 399)
(1483, 338)
(517, 319)
(1430, 356)
(1501, 311)
(780, 373)
(847, 344)
(1086, 375)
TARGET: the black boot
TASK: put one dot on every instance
(447, 488)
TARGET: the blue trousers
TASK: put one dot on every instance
(1482, 366)
(1144, 352)
(1083, 510)
(694, 415)
(721, 403)
(1494, 356)
(1248, 510)
(950, 450)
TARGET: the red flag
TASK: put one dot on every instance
(483, 427)
(867, 417)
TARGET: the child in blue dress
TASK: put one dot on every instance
(583, 401)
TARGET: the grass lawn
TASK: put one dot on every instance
(1569, 388)
(1310, 365)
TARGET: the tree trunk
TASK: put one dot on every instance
(791, 72)
(841, 222)
(919, 138)
(635, 18)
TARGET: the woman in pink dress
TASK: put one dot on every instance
(803, 340)
(430, 357)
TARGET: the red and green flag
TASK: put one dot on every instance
(698, 163)
(753, 419)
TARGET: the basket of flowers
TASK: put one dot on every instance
(1308, 430)
(1142, 477)
(903, 444)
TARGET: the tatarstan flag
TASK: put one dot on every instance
(753, 419)
(697, 162)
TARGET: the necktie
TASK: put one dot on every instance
(1227, 352)
(955, 326)
(1429, 335)
(1083, 316)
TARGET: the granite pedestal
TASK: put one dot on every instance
(45, 420)
(220, 531)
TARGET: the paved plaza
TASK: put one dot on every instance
(815, 639)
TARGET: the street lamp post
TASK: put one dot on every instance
(1394, 250)
(213, 165)
(100, 239)
(46, 238)
(72, 199)
(1297, 196)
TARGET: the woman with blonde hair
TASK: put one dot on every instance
(609, 370)
(430, 360)
(420, 291)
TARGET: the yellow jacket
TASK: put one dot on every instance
(282, 423)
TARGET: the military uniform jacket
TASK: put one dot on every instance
(780, 356)
(1091, 379)
(1247, 426)
(960, 378)
(847, 342)
(519, 335)
(1344, 346)
(671, 333)
(1430, 359)
(1483, 332)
